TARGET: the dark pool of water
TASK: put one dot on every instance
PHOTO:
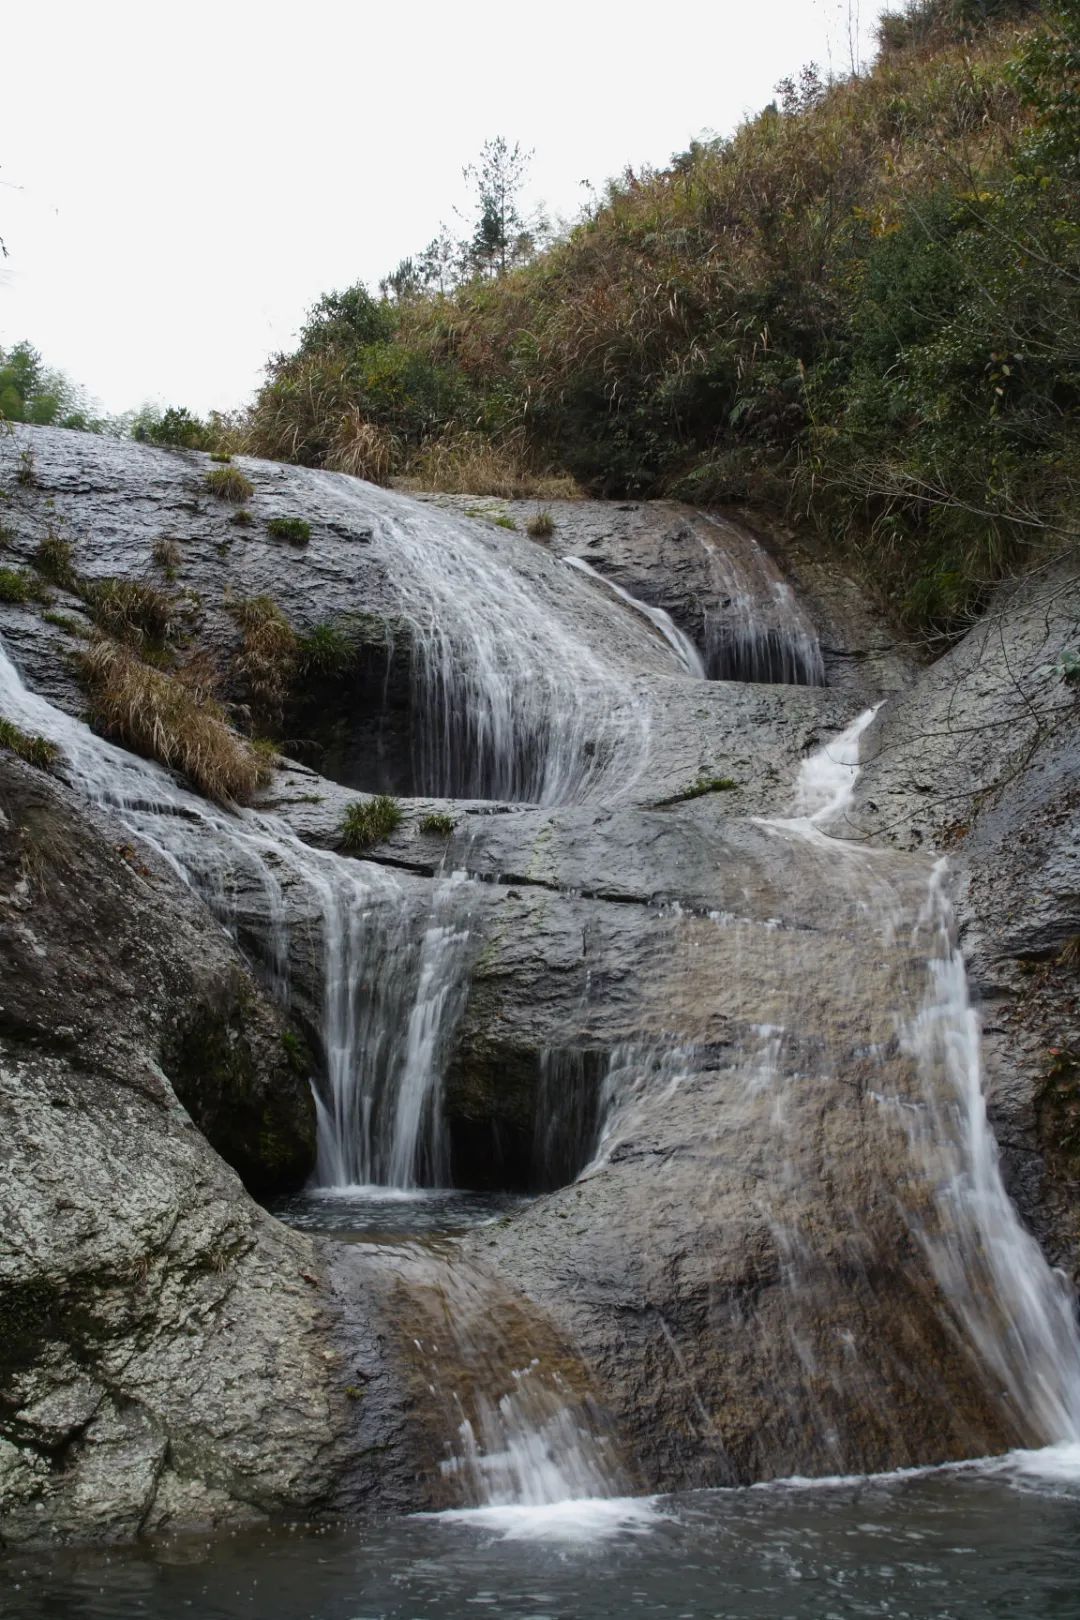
(943, 1546)
(377, 1214)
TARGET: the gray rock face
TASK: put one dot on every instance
(165, 1345)
(692, 1029)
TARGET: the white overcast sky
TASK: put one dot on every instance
(178, 183)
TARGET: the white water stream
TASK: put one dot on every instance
(679, 642)
(386, 972)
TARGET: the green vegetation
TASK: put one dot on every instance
(170, 716)
(37, 751)
(370, 823)
(26, 471)
(438, 824)
(295, 530)
(327, 649)
(15, 586)
(698, 789)
(860, 313)
(220, 455)
(243, 519)
(65, 621)
(29, 392)
(229, 484)
(541, 526)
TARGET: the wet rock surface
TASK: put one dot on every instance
(716, 1005)
(165, 1346)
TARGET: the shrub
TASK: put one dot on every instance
(438, 824)
(541, 526)
(370, 823)
(130, 611)
(169, 717)
(53, 559)
(37, 751)
(296, 530)
(229, 484)
(176, 428)
(268, 656)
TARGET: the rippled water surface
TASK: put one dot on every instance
(373, 1214)
(952, 1545)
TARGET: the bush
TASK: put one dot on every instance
(296, 530)
(176, 428)
(229, 484)
(171, 718)
(370, 823)
(37, 751)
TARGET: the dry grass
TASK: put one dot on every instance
(170, 717)
(541, 526)
(469, 464)
(269, 653)
(128, 610)
(361, 449)
(168, 557)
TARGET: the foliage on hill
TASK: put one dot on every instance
(860, 311)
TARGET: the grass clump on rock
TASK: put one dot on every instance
(268, 654)
(37, 751)
(229, 484)
(698, 789)
(327, 649)
(297, 531)
(169, 716)
(370, 823)
(15, 586)
(243, 519)
(541, 526)
(54, 561)
(130, 611)
(438, 824)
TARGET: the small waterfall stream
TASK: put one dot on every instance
(679, 642)
(382, 973)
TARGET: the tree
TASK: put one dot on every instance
(501, 235)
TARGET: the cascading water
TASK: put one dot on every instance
(1011, 1313)
(760, 632)
(681, 645)
(510, 701)
(384, 970)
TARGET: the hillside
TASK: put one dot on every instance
(859, 313)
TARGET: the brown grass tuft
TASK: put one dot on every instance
(361, 449)
(171, 719)
(229, 484)
(469, 464)
(269, 654)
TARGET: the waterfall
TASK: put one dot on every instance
(510, 700)
(685, 652)
(382, 973)
(1011, 1313)
(759, 632)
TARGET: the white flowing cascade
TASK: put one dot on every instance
(510, 701)
(679, 642)
(381, 1122)
(1004, 1300)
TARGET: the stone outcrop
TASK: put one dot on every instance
(713, 1008)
